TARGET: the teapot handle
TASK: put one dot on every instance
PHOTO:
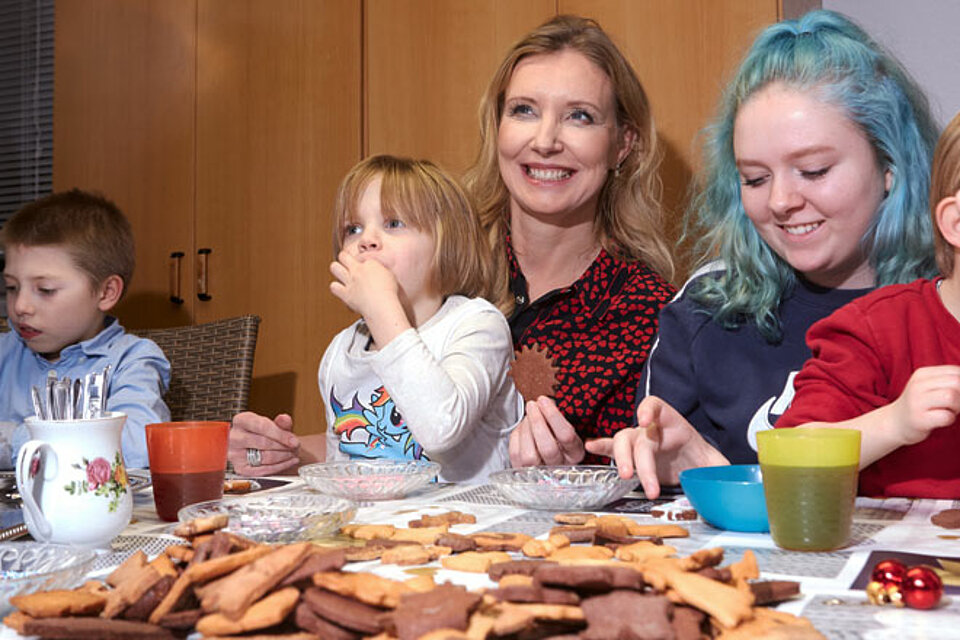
(26, 480)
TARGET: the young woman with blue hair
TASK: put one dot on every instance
(814, 192)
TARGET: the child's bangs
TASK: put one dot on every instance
(404, 196)
(350, 193)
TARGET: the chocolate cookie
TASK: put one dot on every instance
(534, 373)
(575, 533)
(373, 549)
(99, 628)
(181, 620)
(345, 612)
(771, 591)
(142, 608)
(327, 560)
(948, 519)
(720, 574)
(590, 578)
(687, 623)
(521, 567)
(458, 543)
(445, 607)
(638, 617)
(305, 618)
(534, 593)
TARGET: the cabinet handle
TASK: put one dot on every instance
(176, 258)
(203, 263)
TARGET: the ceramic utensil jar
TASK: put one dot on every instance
(73, 481)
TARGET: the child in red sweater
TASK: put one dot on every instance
(888, 363)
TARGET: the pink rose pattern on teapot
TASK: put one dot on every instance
(102, 479)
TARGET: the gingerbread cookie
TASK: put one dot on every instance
(59, 602)
(474, 561)
(534, 373)
(948, 519)
(259, 615)
(448, 518)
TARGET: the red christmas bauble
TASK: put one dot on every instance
(889, 572)
(921, 588)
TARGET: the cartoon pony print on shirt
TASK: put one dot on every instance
(377, 431)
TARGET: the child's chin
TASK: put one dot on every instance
(47, 350)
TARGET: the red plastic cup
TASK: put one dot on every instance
(187, 461)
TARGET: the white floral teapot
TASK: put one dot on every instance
(73, 482)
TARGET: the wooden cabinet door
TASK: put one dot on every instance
(278, 125)
(427, 65)
(124, 82)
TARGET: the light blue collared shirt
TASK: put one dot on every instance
(139, 376)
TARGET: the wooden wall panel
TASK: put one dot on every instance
(124, 92)
(684, 51)
(427, 64)
(278, 125)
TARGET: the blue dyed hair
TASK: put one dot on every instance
(826, 53)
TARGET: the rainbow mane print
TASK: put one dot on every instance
(377, 431)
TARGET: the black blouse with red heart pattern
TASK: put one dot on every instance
(598, 331)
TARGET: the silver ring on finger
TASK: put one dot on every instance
(254, 459)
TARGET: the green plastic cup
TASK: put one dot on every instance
(810, 484)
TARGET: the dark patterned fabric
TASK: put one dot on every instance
(599, 331)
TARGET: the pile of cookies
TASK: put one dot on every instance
(593, 577)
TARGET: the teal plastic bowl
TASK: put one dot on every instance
(728, 497)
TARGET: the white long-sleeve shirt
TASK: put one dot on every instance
(440, 392)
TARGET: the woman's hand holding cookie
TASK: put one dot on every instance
(663, 445)
(544, 436)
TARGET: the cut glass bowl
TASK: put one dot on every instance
(277, 518)
(26, 567)
(564, 488)
(364, 480)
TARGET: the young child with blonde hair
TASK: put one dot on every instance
(423, 373)
(888, 363)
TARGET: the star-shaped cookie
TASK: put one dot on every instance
(534, 373)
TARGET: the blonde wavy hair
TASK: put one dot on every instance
(629, 217)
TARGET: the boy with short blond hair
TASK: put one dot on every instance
(888, 364)
(69, 258)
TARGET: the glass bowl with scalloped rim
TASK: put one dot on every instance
(562, 488)
(26, 567)
(277, 518)
(364, 480)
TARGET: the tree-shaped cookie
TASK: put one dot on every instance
(533, 372)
